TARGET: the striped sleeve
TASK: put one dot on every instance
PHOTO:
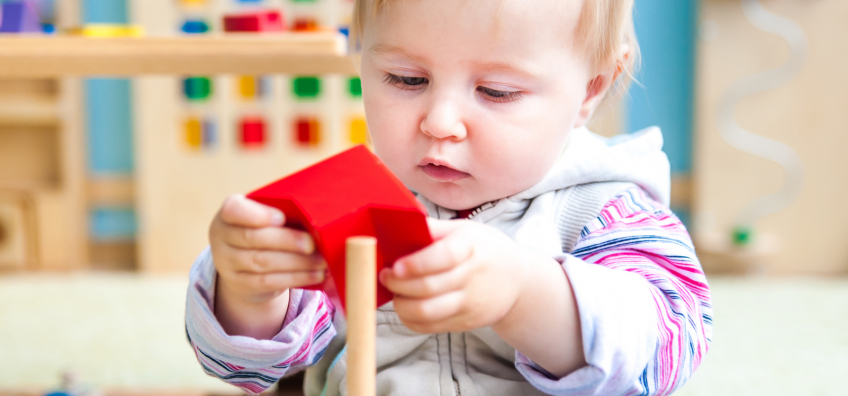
(250, 364)
(643, 299)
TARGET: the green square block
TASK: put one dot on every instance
(354, 86)
(197, 88)
(307, 87)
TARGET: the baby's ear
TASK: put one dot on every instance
(598, 87)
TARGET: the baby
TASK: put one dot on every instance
(556, 266)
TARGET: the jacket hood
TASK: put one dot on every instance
(587, 158)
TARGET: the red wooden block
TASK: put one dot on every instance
(252, 132)
(307, 131)
(260, 21)
(350, 194)
(305, 25)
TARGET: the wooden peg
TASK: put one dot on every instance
(361, 301)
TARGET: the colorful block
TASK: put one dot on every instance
(19, 17)
(249, 87)
(210, 134)
(306, 87)
(197, 88)
(354, 87)
(193, 133)
(102, 30)
(195, 27)
(193, 3)
(358, 131)
(260, 21)
(263, 86)
(307, 131)
(252, 132)
(305, 24)
(199, 133)
(350, 194)
(252, 87)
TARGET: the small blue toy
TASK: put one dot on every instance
(71, 387)
(195, 27)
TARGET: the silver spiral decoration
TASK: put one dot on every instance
(752, 143)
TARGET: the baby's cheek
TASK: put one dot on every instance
(399, 163)
(508, 174)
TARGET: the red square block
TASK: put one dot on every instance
(350, 194)
(252, 132)
(307, 131)
(260, 21)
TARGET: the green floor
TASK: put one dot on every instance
(114, 331)
(772, 336)
(776, 337)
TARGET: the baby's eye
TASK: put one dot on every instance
(499, 96)
(404, 82)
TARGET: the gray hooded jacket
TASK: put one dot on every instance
(547, 217)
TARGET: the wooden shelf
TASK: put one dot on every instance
(17, 188)
(33, 111)
(289, 53)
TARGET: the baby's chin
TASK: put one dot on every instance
(453, 198)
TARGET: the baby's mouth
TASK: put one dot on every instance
(443, 173)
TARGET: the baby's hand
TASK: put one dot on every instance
(470, 277)
(256, 257)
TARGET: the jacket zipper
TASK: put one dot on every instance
(480, 209)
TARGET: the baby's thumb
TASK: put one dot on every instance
(441, 228)
(241, 211)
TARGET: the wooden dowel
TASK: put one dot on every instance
(360, 304)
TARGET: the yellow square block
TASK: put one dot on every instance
(358, 131)
(247, 87)
(193, 132)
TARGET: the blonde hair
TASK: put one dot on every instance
(604, 30)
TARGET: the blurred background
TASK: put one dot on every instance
(107, 185)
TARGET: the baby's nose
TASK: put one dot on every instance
(444, 121)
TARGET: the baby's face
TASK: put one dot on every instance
(467, 103)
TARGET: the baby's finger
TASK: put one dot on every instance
(438, 257)
(426, 286)
(424, 314)
(240, 211)
(441, 228)
(262, 261)
(276, 281)
(272, 238)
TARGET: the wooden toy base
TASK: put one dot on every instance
(719, 256)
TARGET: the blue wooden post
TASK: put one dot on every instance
(109, 127)
(664, 94)
(667, 32)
